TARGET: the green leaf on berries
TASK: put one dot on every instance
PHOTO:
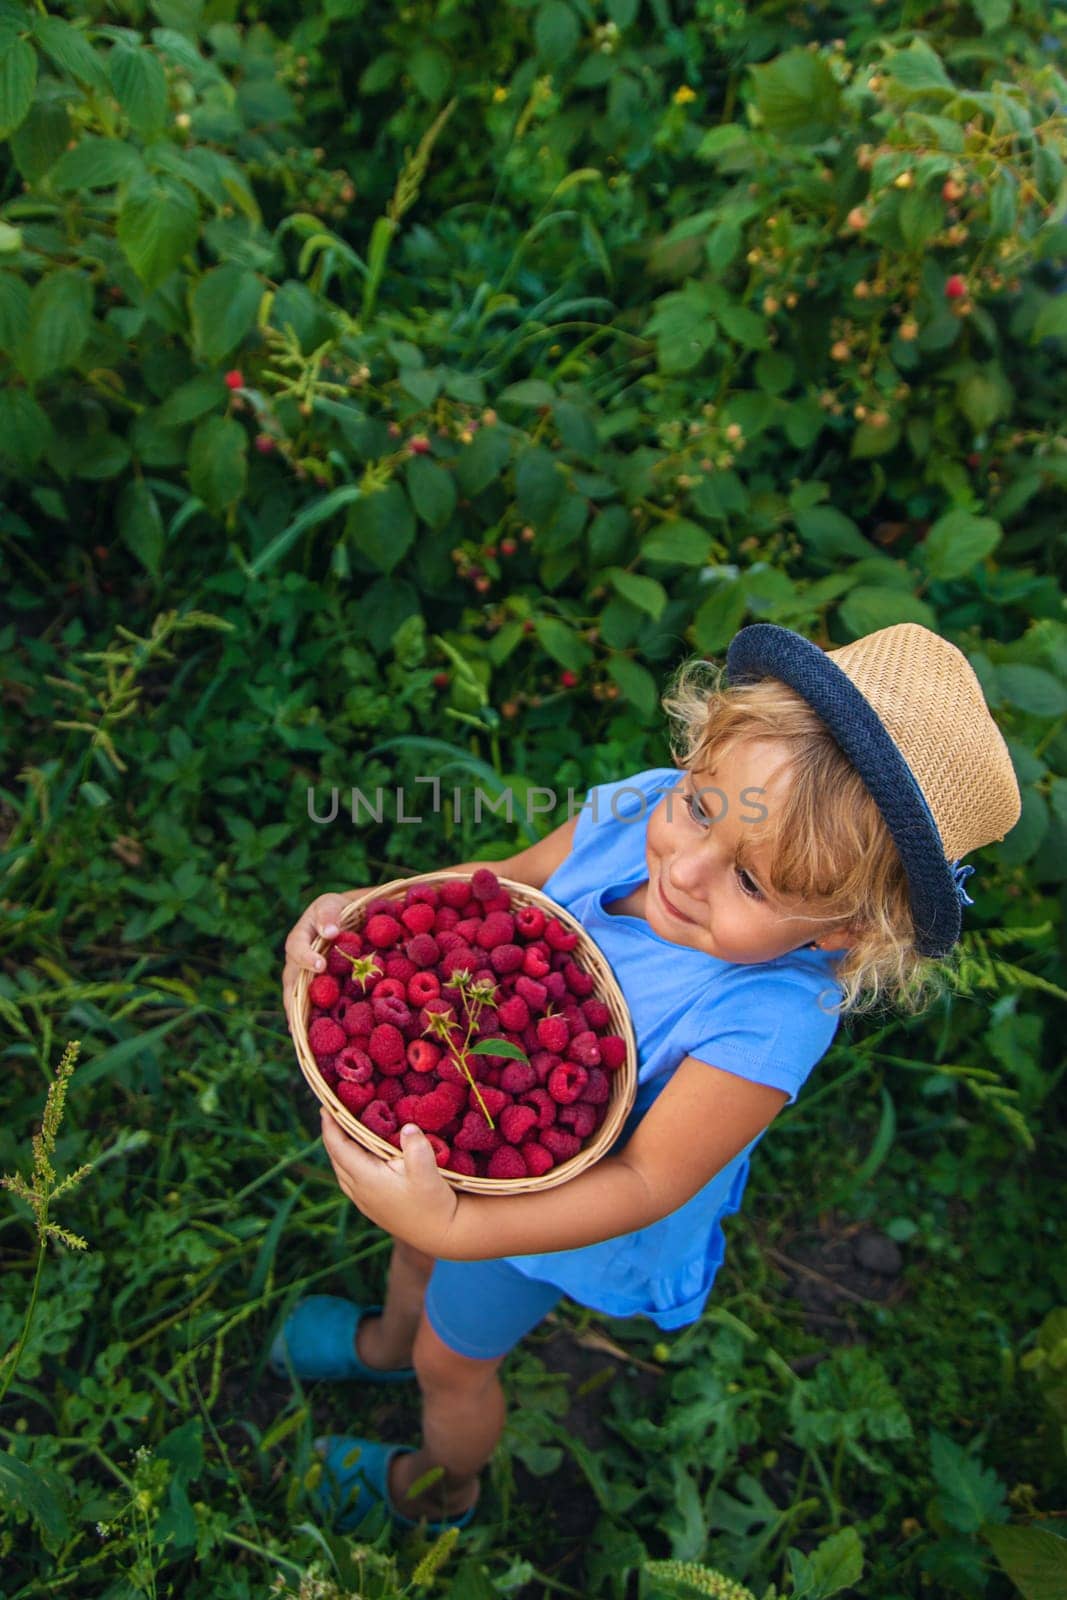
(645, 593)
(562, 643)
(218, 462)
(224, 305)
(433, 491)
(497, 1047)
(382, 526)
(159, 222)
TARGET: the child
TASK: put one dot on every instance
(804, 864)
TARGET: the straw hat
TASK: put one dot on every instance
(906, 708)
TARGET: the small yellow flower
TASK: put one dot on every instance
(500, 94)
(683, 95)
(230, 996)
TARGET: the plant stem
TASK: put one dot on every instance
(13, 1361)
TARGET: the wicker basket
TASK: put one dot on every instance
(588, 955)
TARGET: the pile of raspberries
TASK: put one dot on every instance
(377, 1050)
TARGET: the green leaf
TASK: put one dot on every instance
(140, 525)
(1023, 841)
(159, 222)
(320, 511)
(25, 431)
(530, 392)
(218, 462)
(868, 441)
(921, 215)
(645, 593)
(192, 399)
(224, 306)
(431, 72)
(61, 320)
(837, 1563)
(720, 616)
(498, 1047)
(556, 32)
(96, 164)
(39, 1491)
(14, 310)
(140, 86)
(576, 429)
(539, 484)
(382, 526)
(918, 68)
(432, 490)
(478, 464)
(562, 643)
(775, 371)
(1032, 689)
(969, 1494)
(18, 79)
(867, 609)
(71, 51)
(1051, 321)
(957, 542)
(983, 395)
(1035, 1560)
(679, 541)
(830, 533)
(636, 683)
(797, 97)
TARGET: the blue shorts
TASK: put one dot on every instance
(482, 1309)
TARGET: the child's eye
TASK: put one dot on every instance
(695, 810)
(748, 887)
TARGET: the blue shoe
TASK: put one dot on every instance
(318, 1340)
(354, 1478)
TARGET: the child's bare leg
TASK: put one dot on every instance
(463, 1413)
(387, 1340)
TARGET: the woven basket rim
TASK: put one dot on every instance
(622, 1081)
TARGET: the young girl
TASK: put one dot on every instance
(803, 864)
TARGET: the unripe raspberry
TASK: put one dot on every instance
(265, 444)
(508, 547)
(568, 679)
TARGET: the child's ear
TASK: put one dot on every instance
(843, 939)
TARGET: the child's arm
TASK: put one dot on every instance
(698, 1123)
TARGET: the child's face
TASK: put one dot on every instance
(732, 912)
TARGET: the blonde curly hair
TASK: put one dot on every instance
(827, 842)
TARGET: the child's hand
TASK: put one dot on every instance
(323, 916)
(407, 1196)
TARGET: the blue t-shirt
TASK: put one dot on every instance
(760, 1021)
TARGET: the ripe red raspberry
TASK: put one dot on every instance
(383, 932)
(538, 1160)
(578, 982)
(484, 885)
(380, 1118)
(358, 1016)
(438, 1006)
(612, 1051)
(400, 968)
(558, 937)
(413, 1082)
(500, 902)
(516, 1122)
(506, 1162)
(453, 892)
(514, 1013)
(418, 917)
(461, 956)
(476, 1134)
(324, 991)
(553, 1033)
(530, 922)
(494, 1099)
(265, 443)
(338, 964)
(955, 287)
(423, 1055)
(563, 1145)
(328, 1070)
(234, 379)
(354, 1064)
(350, 942)
(463, 1162)
(498, 928)
(387, 1048)
(580, 1118)
(395, 988)
(355, 1096)
(422, 987)
(598, 1089)
(596, 1014)
(517, 1077)
(544, 1105)
(468, 928)
(389, 1090)
(567, 1082)
(585, 1048)
(556, 985)
(445, 919)
(534, 961)
(505, 958)
(535, 994)
(448, 939)
(325, 1037)
(421, 892)
(390, 1009)
(442, 1153)
(423, 950)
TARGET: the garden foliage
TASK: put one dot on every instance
(402, 391)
